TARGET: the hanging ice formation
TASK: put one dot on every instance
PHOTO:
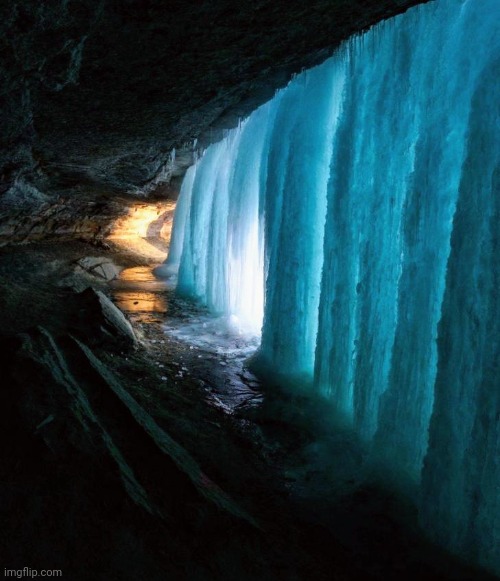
(362, 207)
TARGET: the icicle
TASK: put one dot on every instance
(171, 265)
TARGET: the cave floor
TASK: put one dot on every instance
(317, 511)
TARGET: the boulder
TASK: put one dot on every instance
(99, 318)
(99, 266)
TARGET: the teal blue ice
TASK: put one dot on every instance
(354, 222)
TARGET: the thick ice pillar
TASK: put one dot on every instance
(437, 138)
(300, 153)
(218, 231)
(461, 477)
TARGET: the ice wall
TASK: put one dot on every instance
(217, 240)
(461, 476)
(355, 218)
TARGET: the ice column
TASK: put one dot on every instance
(220, 227)
(299, 166)
(182, 209)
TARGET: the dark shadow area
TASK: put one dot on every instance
(246, 481)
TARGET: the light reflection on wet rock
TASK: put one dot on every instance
(137, 291)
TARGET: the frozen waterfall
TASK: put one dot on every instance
(355, 220)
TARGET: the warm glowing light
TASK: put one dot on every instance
(145, 229)
(138, 291)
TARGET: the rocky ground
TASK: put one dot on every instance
(131, 454)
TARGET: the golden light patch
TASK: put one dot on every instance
(145, 229)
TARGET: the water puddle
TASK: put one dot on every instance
(139, 294)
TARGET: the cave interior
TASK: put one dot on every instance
(250, 289)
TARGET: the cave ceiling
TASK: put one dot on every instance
(96, 94)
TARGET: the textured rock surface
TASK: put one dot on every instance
(96, 94)
(101, 267)
(27, 215)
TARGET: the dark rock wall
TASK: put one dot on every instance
(96, 93)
